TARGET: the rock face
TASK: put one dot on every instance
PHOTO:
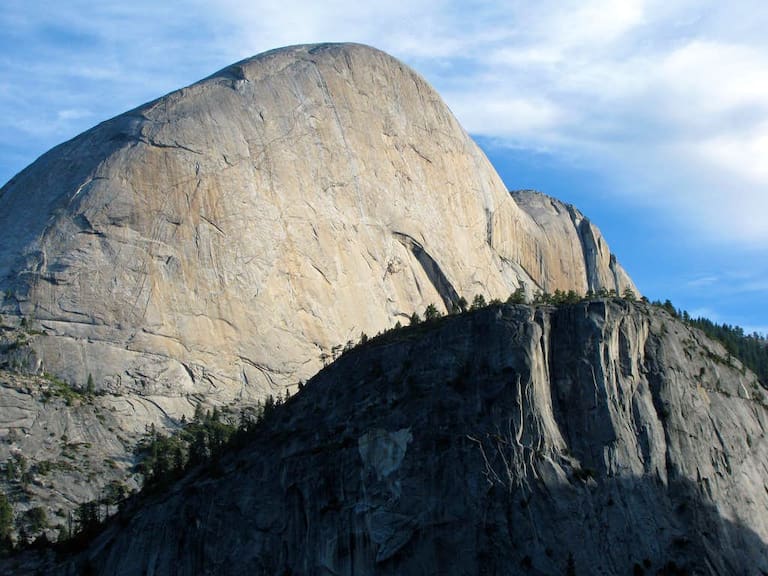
(220, 240)
(61, 444)
(503, 441)
(572, 248)
(60, 448)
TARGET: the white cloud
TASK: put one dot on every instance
(705, 312)
(741, 154)
(671, 109)
(703, 281)
(593, 23)
(73, 114)
(668, 99)
(521, 121)
(712, 80)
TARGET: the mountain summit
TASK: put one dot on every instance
(223, 239)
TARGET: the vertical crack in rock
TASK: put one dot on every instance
(489, 227)
(654, 374)
(588, 248)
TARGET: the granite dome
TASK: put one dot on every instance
(224, 238)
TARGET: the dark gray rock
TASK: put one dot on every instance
(502, 441)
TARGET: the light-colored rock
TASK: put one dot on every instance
(222, 239)
(68, 445)
(66, 448)
(569, 249)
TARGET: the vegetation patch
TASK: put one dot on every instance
(61, 389)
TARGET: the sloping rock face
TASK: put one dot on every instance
(222, 239)
(571, 248)
(62, 444)
(504, 441)
(59, 449)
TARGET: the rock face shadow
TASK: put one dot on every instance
(511, 440)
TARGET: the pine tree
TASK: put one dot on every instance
(199, 414)
(570, 567)
(87, 517)
(431, 313)
(6, 518)
(517, 297)
(478, 302)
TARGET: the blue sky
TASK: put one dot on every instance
(650, 116)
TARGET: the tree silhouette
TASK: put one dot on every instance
(431, 313)
(478, 302)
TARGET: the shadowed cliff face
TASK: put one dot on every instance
(497, 442)
(221, 239)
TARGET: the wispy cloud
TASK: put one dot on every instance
(703, 282)
(667, 100)
(730, 285)
(662, 102)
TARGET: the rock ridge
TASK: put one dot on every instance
(509, 440)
